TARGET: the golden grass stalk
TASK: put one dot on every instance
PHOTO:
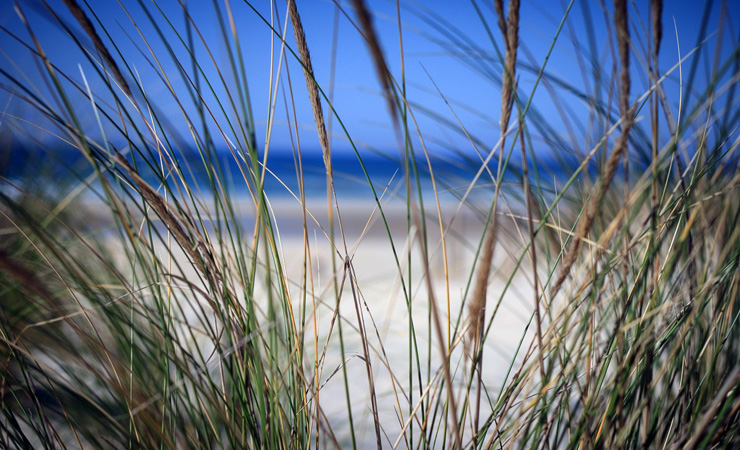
(510, 31)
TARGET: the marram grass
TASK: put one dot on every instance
(154, 298)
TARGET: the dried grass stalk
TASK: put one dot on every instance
(512, 42)
(368, 30)
(313, 90)
(594, 202)
(87, 26)
(656, 7)
(510, 30)
(192, 243)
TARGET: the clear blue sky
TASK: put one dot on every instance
(460, 61)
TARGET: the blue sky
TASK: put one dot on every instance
(447, 53)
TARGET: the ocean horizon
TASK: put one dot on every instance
(454, 173)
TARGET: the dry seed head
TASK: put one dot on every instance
(657, 14)
(584, 225)
(510, 31)
(366, 25)
(623, 46)
(313, 90)
(89, 29)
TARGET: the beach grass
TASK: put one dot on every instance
(155, 293)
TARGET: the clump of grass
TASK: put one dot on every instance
(178, 317)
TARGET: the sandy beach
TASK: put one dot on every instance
(387, 297)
